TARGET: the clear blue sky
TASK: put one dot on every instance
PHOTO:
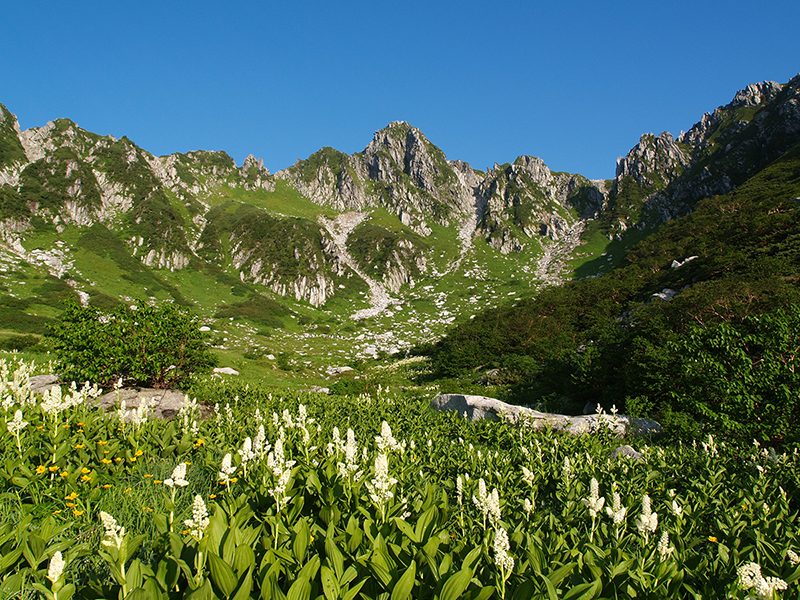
(575, 83)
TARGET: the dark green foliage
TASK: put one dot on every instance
(18, 342)
(607, 340)
(49, 183)
(12, 206)
(13, 316)
(103, 242)
(742, 378)
(11, 150)
(258, 309)
(326, 157)
(152, 345)
(376, 249)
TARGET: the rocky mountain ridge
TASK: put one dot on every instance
(175, 211)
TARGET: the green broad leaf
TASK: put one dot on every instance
(313, 479)
(380, 569)
(133, 545)
(134, 594)
(330, 583)
(487, 592)
(168, 571)
(245, 585)
(43, 590)
(161, 523)
(425, 524)
(551, 590)
(404, 586)
(222, 574)
(34, 550)
(20, 481)
(354, 541)
(204, 592)
(229, 546)
(456, 585)
(244, 559)
(585, 591)
(66, 592)
(334, 555)
(407, 530)
(300, 590)
(470, 558)
(353, 591)
(310, 569)
(622, 567)
(9, 559)
(559, 574)
(300, 544)
(133, 576)
(349, 575)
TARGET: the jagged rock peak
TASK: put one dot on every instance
(653, 155)
(251, 161)
(755, 94)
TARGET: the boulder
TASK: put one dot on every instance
(225, 371)
(41, 383)
(477, 408)
(626, 452)
(165, 404)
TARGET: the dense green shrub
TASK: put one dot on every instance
(155, 345)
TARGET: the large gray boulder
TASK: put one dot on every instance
(165, 404)
(477, 408)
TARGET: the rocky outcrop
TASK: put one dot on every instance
(476, 408)
(662, 178)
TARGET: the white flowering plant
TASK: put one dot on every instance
(324, 507)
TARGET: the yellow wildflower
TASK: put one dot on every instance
(147, 508)
(139, 453)
(53, 468)
(72, 496)
(118, 459)
(711, 538)
(102, 443)
(70, 505)
(40, 469)
(106, 486)
(64, 474)
(157, 481)
(147, 475)
(77, 513)
(126, 490)
(84, 470)
(133, 459)
(106, 461)
(56, 512)
(86, 478)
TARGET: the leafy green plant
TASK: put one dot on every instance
(154, 345)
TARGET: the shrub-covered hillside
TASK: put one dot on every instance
(697, 327)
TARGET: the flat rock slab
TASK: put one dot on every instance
(165, 404)
(477, 408)
(40, 383)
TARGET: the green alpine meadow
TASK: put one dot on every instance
(387, 375)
